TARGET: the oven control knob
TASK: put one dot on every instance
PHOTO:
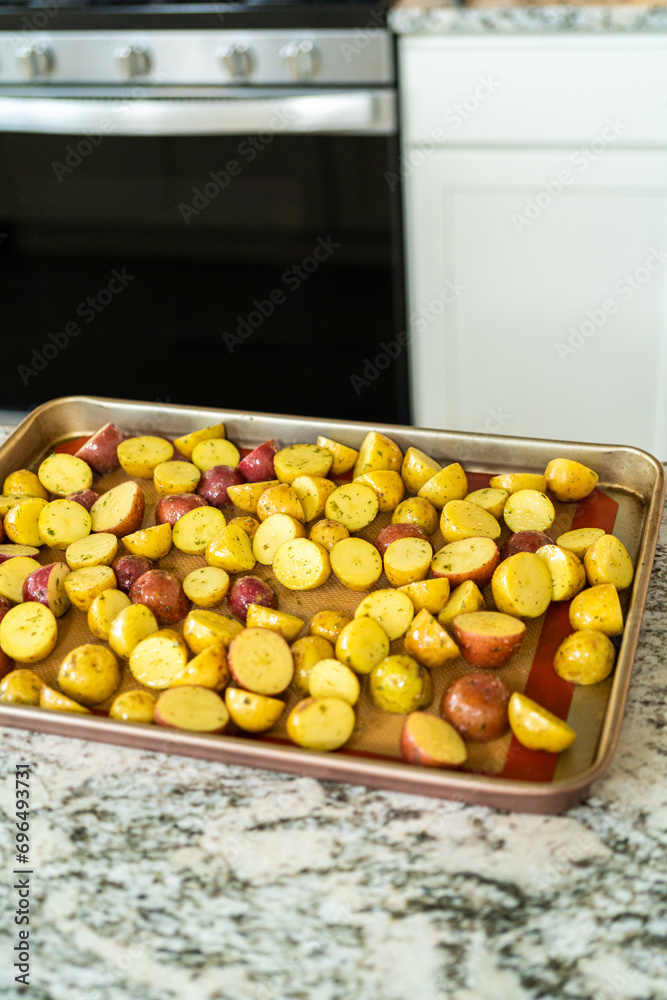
(36, 60)
(237, 60)
(302, 59)
(133, 60)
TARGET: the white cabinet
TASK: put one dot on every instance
(537, 265)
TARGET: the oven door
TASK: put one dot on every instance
(237, 250)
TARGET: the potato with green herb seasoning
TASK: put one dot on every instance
(301, 460)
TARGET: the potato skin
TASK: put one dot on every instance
(100, 450)
(417, 511)
(393, 532)
(247, 590)
(85, 497)
(133, 706)
(128, 569)
(524, 541)
(163, 594)
(585, 657)
(214, 482)
(400, 684)
(476, 705)
(327, 532)
(257, 466)
(21, 687)
(89, 674)
(174, 506)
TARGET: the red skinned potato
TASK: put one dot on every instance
(488, 638)
(5, 606)
(431, 742)
(163, 594)
(173, 507)
(476, 705)
(257, 466)
(395, 531)
(120, 510)
(466, 559)
(524, 541)
(85, 497)
(128, 569)
(10, 551)
(247, 590)
(46, 586)
(6, 664)
(99, 451)
(214, 482)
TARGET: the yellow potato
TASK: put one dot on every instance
(332, 679)
(450, 483)
(493, 500)
(247, 524)
(54, 700)
(431, 742)
(467, 597)
(202, 629)
(418, 511)
(596, 608)
(7, 502)
(140, 456)
(231, 550)
(400, 684)
(246, 496)
(63, 474)
(515, 481)
(215, 451)
(104, 609)
(28, 632)
(22, 521)
(580, 540)
(133, 706)
(407, 560)
(377, 452)
(567, 573)
(321, 723)
(93, 550)
(585, 657)
(62, 522)
(392, 609)
(21, 687)
(344, 457)
(254, 713)
(196, 709)
(353, 505)
(327, 533)
(388, 486)
(207, 669)
(461, 519)
(24, 483)
(195, 529)
(569, 480)
(157, 660)
(153, 543)
(206, 586)
(529, 510)
(429, 594)
(176, 477)
(417, 469)
(301, 460)
(608, 561)
(272, 533)
(306, 653)
(13, 574)
(356, 563)
(261, 661)
(89, 674)
(428, 642)
(537, 728)
(289, 626)
(82, 586)
(328, 624)
(301, 564)
(187, 442)
(521, 586)
(312, 493)
(129, 627)
(280, 499)
(361, 644)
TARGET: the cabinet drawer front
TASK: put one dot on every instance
(600, 90)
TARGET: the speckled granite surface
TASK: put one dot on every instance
(162, 877)
(430, 18)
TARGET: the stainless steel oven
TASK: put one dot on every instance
(197, 211)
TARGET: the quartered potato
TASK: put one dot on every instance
(567, 573)
(89, 674)
(246, 496)
(288, 626)
(140, 456)
(429, 594)
(388, 486)
(28, 632)
(521, 586)
(63, 474)
(400, 684)
(301, 564)
(24, 483)
(133, 706)
(282, 499)
(569, 480)
(301, 460)
(537, 728)
(466, 597)
(608, 561)
(257, 466)
(321, 723)
(328, 624)
(596, 608)
(476, 705)
(22, 521)
(392, 609)
(21, 687)
(462, 519)
(153, 543)
(254, 713)
(54, 700)
(196, 709)
(361, 644)
(332, 679)
(104, 609)
(417, 511)
(194, 530)
(159, 659)
(585, 657)
(186, 443)
(231, 550)
(428, 642)
(344, 457)
(490, 499)
(176, 477)
(120, 510)
(529, 510)
(450, 483)
(354, 505)
(306, 653)
(327, 533)
(272, 533)
(431, 742)
(202, 629)
(312, 493)
(417, 469)
(47, 586)
(247, 524)
(356, 563)
(377, 451)
(208, 669)
(93, 550)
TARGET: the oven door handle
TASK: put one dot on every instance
(366, 112)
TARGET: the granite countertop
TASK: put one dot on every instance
(424, 17)
(159, 877)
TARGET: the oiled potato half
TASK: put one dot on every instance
(155, 542)
(84, 585)
(194, 530)
(579, 540)
(450, 483)
(301, 460)
(569, 480)
(261, 661)
(596, 608)
(312, 493)
(28, 632)
(428, 642)
(537, 728)
(467, 559)
(272, 533)
(356, 563)
(281, 499)
(490, 499)
(206, 586)
(466, 597)
(521, 586)
(567, 573)
(488, 639)
(476, 705)
(21, 687)
(332, 679)
(344, 457)
(328, 624)
(133, 706)
(202, 629)
(400, 684)
(377, 451)
(326, 532)
(93, 550)
(407, 560)
(129, 627)
(608, 561)
(139, 456)
(321, 723)
(288, 626)
(158, 659)
(462, 519)
(13, 574)
(388, 486)
(417, 469)
(429, 594)
(231, 550)
(89, 674)
(392, 609)
(306, 653)
(529, 510)
(63, 474)
(354, 505)
(23, 482)
(417, 511)
(361, 644)
(57, 702)
(186, 443)
(22, 521)
(301, 564)
(196, 709)
(62, 522)
(515, 481)
(176, 477)
(431, 742)
(246, 496)
(254, 713)
(119, 511)
(104, 609)
(208, 669)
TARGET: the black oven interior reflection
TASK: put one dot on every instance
(252, 272)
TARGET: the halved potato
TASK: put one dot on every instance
(104, 609)
(579, 540)
(306, 653)
(22, 521)
(158, 659)
(140, 456)
(391, 608)
(608, 561)
(450, 483)
(133, 706)
(567, 574)
(327, 533)
(597, 608)
(312, 493)
(328, 624)
(488, 639)
(417, 511)
(321, 723)
(356, 563)
(466, 597)
(281, 499)
(467, 559)
(272, 533)
(13, 574)
(129, 627)
(247, 524)
(569, 480)
(301, 564)
(490, 499)
(461, 519)
(93, 550)
(288, 626)
(429, 594)
(521, 586)
(354, 505)
(377, 451)
(361, 644)
(9, 501)
(20, 687)
(301, 460)
(388, 486)
(120, 510)
(537, 728)
(344, 457)
(89, 674)
(24, 483)
(186, 443)
(55, 701)
(261, 661)
(28, 632)
(400, 684)
(332, 679)
(585, 657)
(206, 586)
(84, 585)
(176, 477)
(529, 510)
(196, 709)
(407, 560)
(195, 529)
(231, 550)
(208, 669)
(215, 451)
(431, 742)
(417, 469)
(153, 543)
(47, 585)
(428, 642)
(63, 474)
(202, 629)
(254, 713)
(515, 481)
(246, 496)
